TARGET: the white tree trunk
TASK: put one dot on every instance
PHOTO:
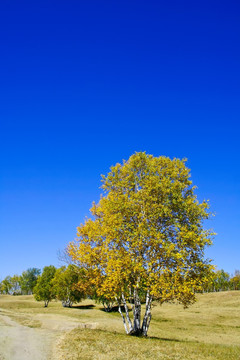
(130, 327)
(123, 318)
(136, 328)
(127, 325)
(136, 314)
(147, 315)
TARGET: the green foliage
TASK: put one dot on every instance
(29, 280)
(6, 285)
(16, 285)
(43, 289)
(64, 285)
(235, 281)
(221, 282)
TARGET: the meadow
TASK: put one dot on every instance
(209, 329)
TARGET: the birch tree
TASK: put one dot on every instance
(145, 239)
(64, 285)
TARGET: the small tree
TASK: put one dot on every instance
(43, 289)
(146, 238)
(6, 285)
(16, 285)
(221, 280)
(235, 281)
(65, 284)
(29, 280)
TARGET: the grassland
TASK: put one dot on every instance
(210, 329)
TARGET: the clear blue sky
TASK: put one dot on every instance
(84, 84)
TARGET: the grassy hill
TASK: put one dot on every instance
(210, 329)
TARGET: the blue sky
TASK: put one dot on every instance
(84, 84)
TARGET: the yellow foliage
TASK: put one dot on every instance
(146, 232)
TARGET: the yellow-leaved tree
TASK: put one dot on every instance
(145, 240)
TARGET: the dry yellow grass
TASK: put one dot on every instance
(210, 329)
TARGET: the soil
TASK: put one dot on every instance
(19, 342)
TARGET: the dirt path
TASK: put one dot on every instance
(19, 342)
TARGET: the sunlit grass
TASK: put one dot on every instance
(210, 329)
(99, 344)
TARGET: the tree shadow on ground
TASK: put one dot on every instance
(81, 307)
(115, 309)
(164, 339)
(170, 339)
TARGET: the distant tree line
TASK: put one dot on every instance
(222, 281)
(67, 284)
(70, 285)
(20, 284)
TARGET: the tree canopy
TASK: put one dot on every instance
(28, 280)
(146, 237)
(65, 284)
(43, 290)
(6, 285)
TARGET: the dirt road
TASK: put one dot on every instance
(19, 342)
